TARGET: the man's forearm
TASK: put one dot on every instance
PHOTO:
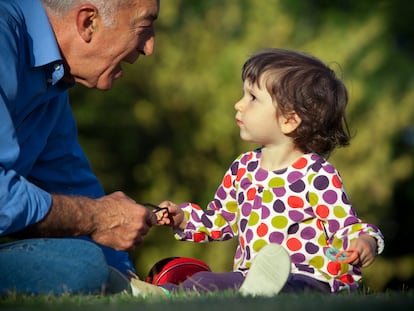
(68, 216)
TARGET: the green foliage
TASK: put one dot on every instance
(167, 129)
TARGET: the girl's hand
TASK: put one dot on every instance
(173, 217)
(366, 246)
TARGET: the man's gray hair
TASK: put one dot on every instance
(106, 8)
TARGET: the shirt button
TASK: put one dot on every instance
(56, 67)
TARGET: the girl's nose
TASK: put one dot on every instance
(239, 105)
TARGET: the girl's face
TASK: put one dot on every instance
(256, 115)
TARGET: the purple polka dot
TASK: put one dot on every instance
(330, 196)
(329, 168)
(195, 216)
(246, 209)
(221, 193)
(248, 252)
(257, 202)
(279, 192)
(297, 186)
(276, 237)
(265, 212)
(333, 225)
(293, 229)
(308, 233)
(261, 175)
(244, 159)
(297, 258)
(206, 221)
(321, 182)
(240, 198)
(228, 216)
(243, 224)
(293, 176)
(249, 235)
(234, 168)
(296, 216)
(252, 166)
(311, 248)
(345, 198)
(279, 206)
(350, 221)
(245, 183)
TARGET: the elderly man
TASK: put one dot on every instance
(69, 232)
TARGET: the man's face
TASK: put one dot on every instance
(99, 63)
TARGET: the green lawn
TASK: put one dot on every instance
(392, 300)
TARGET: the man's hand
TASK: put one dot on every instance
(121, 223)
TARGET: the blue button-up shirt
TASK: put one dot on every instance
(39, 151)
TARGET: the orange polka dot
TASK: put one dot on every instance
(262, 230)
(347, 279)
(322, 211)
(319, 224)
(195, 206)
(334, 268)
(336, 181)
(227, 181)
(251, 193)
(301, 163)
(295, 202)
(242, 243)
(294, 244)
(215, 234)
(240, 173)
(199, 236)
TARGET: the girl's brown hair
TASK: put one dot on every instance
(302, 83)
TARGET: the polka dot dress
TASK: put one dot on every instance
(302, 207)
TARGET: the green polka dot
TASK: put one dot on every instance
(356, 228)
(231, 206)
(276, 182)
(339, 211)
(253, 219)
(219, 221)
(310, 178)
(235, 228)
(317, 262)
(313, 198)
(267, 196)
(322, 240)
(257, 246)
(279, 222)
(337, 243)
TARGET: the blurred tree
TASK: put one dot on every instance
(167, 130)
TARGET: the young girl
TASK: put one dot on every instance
(283, 201)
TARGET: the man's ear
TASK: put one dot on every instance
(86, 19)
(289, 122)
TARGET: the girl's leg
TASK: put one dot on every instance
(52, 266)
(204, 282)
(300, 283)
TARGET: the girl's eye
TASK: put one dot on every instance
(252, 97)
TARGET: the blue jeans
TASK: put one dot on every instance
(52, 266)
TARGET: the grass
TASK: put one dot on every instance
(392, 300)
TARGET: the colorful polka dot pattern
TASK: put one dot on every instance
(303, 207)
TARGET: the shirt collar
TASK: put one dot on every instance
(42, 41)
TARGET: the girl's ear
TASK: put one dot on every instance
(289, 122)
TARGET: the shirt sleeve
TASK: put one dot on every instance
(337, 217)
(21, 202)
(219, 221)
